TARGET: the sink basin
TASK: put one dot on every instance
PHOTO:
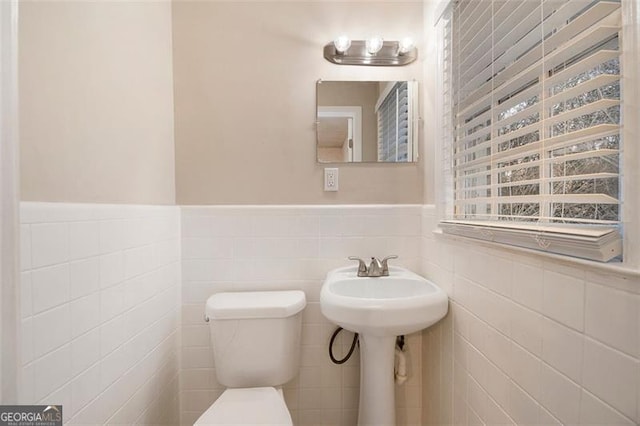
(401, 303)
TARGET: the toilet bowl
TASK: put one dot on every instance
(255, 337)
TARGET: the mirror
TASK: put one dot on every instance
(367, 121)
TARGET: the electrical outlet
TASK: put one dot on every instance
(331, 179)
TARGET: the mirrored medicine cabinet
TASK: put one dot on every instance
(367, 121)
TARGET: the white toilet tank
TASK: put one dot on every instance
(256, 336)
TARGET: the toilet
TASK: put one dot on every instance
(256, 348)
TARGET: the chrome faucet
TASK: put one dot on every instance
(377, 268)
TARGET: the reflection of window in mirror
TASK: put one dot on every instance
(392, 111)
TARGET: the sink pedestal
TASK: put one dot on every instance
(377, 386)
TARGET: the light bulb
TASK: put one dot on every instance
(405, 45)
(374, 44)
(342, 43)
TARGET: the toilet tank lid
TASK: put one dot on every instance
(255, 304)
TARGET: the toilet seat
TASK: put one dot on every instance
(247, 406)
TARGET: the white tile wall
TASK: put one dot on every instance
(526, 341)
(290, 247)
(559, 345)
(100, 306)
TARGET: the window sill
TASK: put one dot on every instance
(598, 243)
(613, 267)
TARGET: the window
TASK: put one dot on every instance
(533, 147)
(393, 123)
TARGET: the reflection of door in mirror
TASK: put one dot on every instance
(335, 139)
(339, 134)
(349, 94)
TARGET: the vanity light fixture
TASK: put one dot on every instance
(374, 51)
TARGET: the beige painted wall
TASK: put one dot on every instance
(96, 102)
(244, 75)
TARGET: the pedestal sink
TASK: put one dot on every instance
(379, 309)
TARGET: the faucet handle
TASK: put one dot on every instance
(385, 265)
(362, 267)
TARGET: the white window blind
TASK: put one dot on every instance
(393, 124)
(534, 146)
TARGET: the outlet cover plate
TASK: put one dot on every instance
(331, 179)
